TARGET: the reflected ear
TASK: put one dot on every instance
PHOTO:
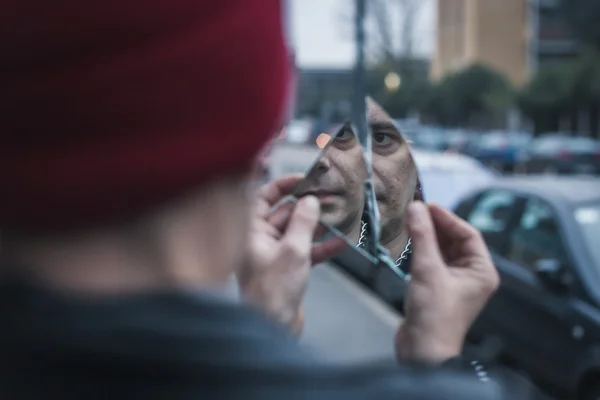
(419, 196)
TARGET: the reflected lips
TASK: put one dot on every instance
(323, 195)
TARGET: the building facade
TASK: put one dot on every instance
(552, 41)
(514, 37)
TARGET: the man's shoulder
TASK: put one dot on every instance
(238, 345)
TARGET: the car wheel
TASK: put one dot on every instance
(591, 392)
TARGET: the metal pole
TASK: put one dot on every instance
(534, 35)
(362, 129)
(359, 109)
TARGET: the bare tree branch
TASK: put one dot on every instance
(391, 27)
(409, 12)
(378, 10)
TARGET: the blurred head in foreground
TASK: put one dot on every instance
(120, 163)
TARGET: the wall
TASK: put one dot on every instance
(491, 32)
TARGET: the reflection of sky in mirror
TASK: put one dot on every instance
(323, 38)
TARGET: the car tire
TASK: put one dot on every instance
(592, 392)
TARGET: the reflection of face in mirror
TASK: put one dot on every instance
(337, 179)
(395, 179)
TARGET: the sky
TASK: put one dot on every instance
(322, 32)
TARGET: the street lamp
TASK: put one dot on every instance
(392, 81)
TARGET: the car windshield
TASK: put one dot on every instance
(557, 143)
(583, 145)
(588, 218)
(447, 185)
(495, 140)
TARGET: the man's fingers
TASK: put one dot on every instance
(455, 229)
(298, 236)
(280, 217)
(427, 258)
(323, 251)
(320, 231)
(270, 193)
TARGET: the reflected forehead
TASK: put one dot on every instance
(378, 118)
(384, 123)
(380, 121)
(375, 112)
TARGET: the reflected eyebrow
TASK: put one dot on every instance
(385, 126)
(382, 125)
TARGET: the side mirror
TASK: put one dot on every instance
(553, 274)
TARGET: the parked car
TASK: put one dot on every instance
(501, 150)
(445, 178)
(427, 138)
(563, 154)
(458, 141)
(545, 318)
(298, 131)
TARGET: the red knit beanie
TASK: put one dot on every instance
(109, 108)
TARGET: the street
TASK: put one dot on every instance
(344, 322)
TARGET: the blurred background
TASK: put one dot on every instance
(500, 100)
(512, 83)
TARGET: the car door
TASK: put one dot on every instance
(532, 319)
(494, 213)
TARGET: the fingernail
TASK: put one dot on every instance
(311, 203)
(415, 211)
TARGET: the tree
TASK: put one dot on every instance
(409, 97)
(391, 26)
(548, 96)
(585, 86)
(559, 91)
(473, 96)
(409, 12)
(585, 79)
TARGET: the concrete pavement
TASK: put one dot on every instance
(344, 322)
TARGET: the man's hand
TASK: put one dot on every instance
(453, 277)
(282, 252)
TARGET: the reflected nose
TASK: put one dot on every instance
(323, 165)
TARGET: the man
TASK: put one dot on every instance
(395, 178)
(338, 175)
(337, 180)
(125, 209)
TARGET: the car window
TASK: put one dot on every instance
(537, 236)
(547, 145)
(588, 219)
(583, 145)
(447, 187)
(491, 215)
(493, 141)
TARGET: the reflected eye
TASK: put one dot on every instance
(344, 135)
(381, 139)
